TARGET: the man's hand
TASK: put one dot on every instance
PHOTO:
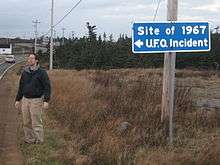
(18, 105)
(46, 105)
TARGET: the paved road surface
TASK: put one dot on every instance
(4, 65)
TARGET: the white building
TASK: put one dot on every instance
(5, 49)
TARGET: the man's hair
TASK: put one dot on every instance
(36, 57)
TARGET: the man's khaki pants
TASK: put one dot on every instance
(32, 119)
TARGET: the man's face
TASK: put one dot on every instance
(31, 60)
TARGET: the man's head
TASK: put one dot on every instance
(32, 60)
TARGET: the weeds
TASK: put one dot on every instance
(113, 114)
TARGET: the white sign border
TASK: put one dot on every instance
(146, 52)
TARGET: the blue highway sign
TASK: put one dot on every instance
(170, 37)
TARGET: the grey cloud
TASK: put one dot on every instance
(111, 16)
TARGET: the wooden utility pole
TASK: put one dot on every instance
(51, 36)
(169, 76)
(35, 33)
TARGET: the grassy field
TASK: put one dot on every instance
(113, 117)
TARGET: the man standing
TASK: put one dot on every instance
(32, 97)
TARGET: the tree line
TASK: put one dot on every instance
(103, 52)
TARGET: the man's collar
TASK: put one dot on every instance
(35, 68)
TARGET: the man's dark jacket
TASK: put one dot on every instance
(34, 84)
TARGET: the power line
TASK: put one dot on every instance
(68, 13)
(63, 17)
(46, 33)
(156, 11)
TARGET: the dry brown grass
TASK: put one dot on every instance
(94, 105)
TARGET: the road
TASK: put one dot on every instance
(9, 121)
(4, 66)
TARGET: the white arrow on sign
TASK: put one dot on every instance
(139, 43)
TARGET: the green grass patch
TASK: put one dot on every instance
(48, 153)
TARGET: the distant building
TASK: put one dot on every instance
(5, 49)
(46, 40)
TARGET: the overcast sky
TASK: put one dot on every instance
(110, 16)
